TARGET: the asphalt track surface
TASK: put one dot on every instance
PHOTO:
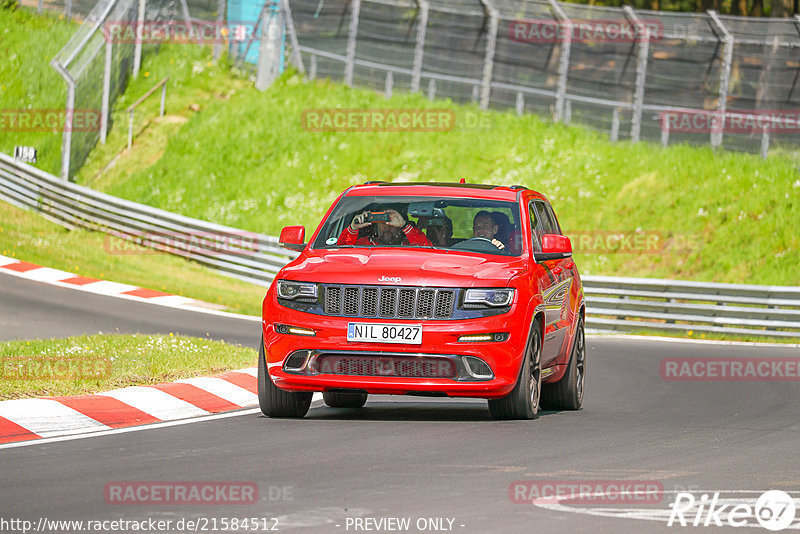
(416, 458)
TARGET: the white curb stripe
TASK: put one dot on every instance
(47, 417)
(46, 274)
(252, 371)
(104, 287)
(155, 402)
(223, 389)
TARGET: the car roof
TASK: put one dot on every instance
(453, 189)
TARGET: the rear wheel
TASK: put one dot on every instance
(344, 399)
(275, 402)
(567, 393)
(523, 401)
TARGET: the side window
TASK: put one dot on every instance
(552, 214)
(549, 223)
(535, 231)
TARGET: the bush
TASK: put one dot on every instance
(11, 5)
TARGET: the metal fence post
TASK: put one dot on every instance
(40, 7)
(351, 43)
(431, 89)
(563, 60)
(641, 72)
(387, 88)
(765, 142)
(297, 57)
(68, 9)
(724, 76)
(520, 103)
(66, 140)
(312, 67)
(137, 47)
(419, 47)
(221, 17)
(615, 125)
(488, 58)
(106, 91)
(269, 55)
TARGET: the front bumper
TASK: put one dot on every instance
(439, 344)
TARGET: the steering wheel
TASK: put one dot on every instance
(478, 244)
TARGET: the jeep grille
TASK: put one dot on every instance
(389, 302)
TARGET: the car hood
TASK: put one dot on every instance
(417, 267)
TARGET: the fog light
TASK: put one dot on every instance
(479, 338)
(296, 330)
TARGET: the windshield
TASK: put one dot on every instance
(474, 225)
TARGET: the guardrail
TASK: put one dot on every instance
(613, 304)
(247, 255)
(630, 304)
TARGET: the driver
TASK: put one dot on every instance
(484, 226)
(394, 232)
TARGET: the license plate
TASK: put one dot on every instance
(410, 334)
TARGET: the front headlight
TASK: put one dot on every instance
(296, 290)
(489, 297)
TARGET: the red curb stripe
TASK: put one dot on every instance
(198, 397)
(21, 266)
(107, 410)
(145, 293)
(79, 280)
(11, 432)
(243, 380)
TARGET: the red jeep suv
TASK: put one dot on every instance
(443, 290)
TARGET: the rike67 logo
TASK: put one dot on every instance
(773, 510)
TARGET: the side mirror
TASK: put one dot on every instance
(554, 247)
(293, 237)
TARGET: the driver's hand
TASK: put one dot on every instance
(360, 221)
(395, 219)
(499, 244)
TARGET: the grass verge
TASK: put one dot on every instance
(30, 237)
(89, 364)
(243, 158)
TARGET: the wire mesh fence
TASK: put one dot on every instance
(697, 78)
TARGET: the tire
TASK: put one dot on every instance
(523, 401)
(342, 399)
(567, 393)
(275, 402)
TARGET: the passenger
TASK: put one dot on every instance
(394, 232)
(484, 226)
(440, 235)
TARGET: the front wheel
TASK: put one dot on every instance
(523, 401)
(567, 393)
(275, 402)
